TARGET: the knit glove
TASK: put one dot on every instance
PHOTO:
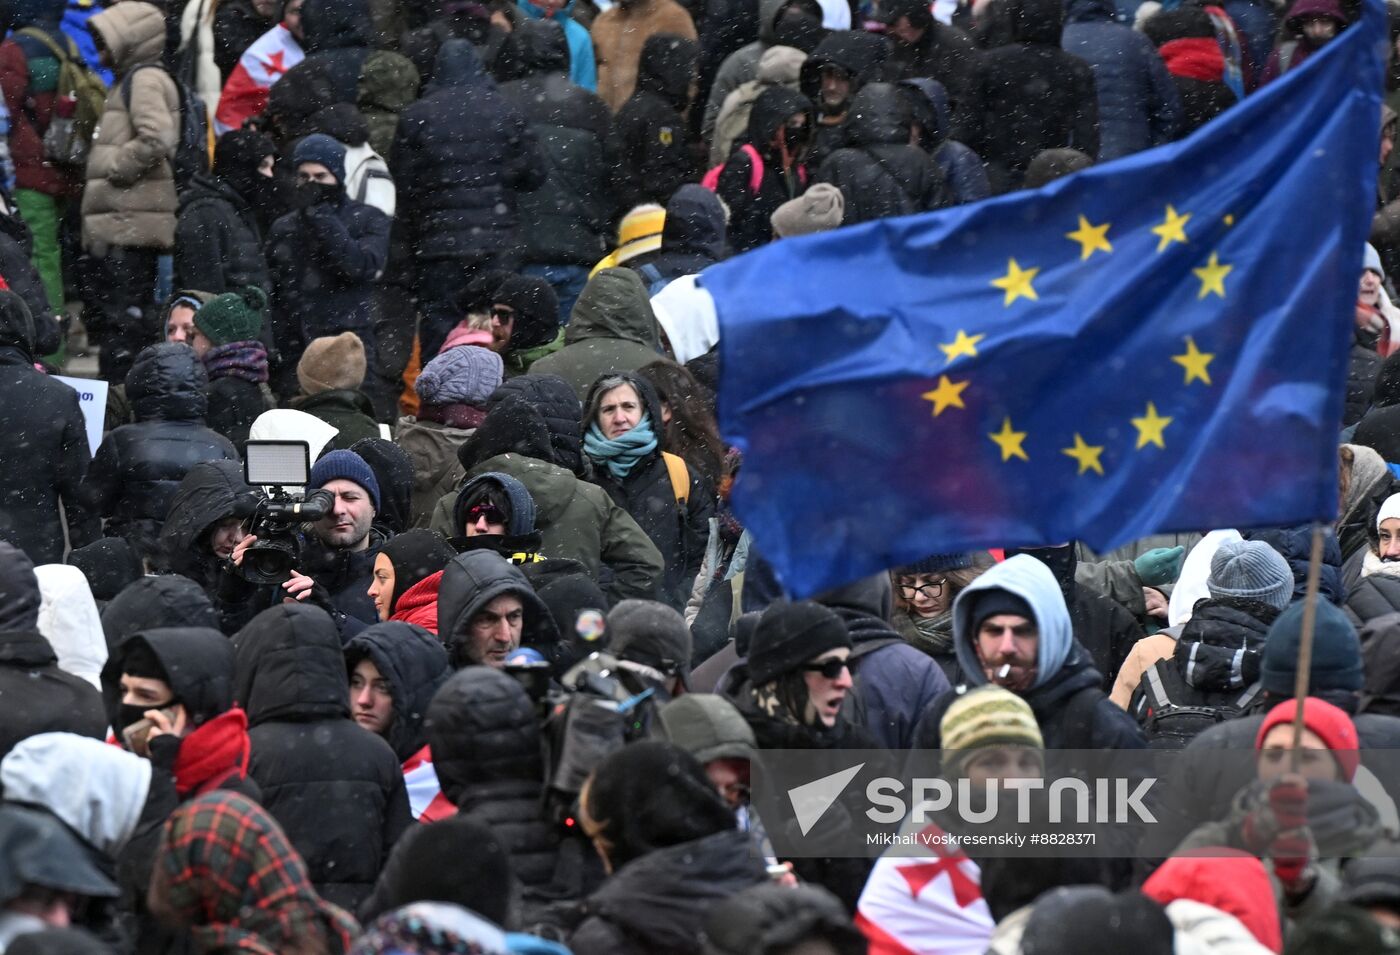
(1161, 565)
(1291, 854)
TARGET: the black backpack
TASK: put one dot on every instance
(196, 143)
(1173, 713)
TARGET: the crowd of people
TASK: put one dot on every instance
(493, 672)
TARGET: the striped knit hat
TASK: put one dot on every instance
(986, 716)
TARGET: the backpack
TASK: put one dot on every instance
(595, 717)
(1172, 712)
(711, 180)
(68, 139)
(195, 149)
(678, 473)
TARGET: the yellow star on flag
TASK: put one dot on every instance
(1150, 427)
(1091, 238)
(963, 344)
(1086, 454)
(1172, 229)
(1017, 283)
(1195, 362)
(1229, 220)
(948, 394)
(1009, 441)
(1212, 276)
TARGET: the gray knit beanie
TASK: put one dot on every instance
(465, 375)
(1251, 569)
(819, 209)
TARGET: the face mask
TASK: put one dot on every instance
(134, 714)
(315, 193)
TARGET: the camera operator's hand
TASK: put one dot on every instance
(241, 548)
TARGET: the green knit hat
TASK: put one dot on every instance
(233, 316)
(986, 716)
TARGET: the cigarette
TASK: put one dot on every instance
(1004, 672)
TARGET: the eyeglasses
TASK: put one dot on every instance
(491, 512)
(927, 591)
(831, 669)
(503, 314)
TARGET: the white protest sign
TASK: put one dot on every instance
(92, 398)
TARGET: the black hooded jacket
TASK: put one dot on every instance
(1030, 95)
(567, 220)
(651, 137)
(139, 466)
(749, 211)
(218, 245)
(861, 57)
(211, 491)
(461, 157)
(878, 172)
(309, 755)
(487, 753)
(693, 239)
(38, 696)
(149, 603)
(415, 665)
(679, 531)
(470, 582)
(45, 454)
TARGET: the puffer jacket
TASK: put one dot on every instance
(45, 456)
(488, 755)
(470, 582)
(566, 220)
(1139, 105)
(679, 531)
(461, 156)
(559, 406)
(130, 197)
(612, 329)
(1030, 95)
(211, 492)
(414, 664)
(219, 247)
(878, 172)
(139, 467)
(308, 754)
(659, 902)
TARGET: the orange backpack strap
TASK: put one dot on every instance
(680, 477)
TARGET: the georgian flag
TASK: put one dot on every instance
(262, 65)
(425, 798)
(929, 903)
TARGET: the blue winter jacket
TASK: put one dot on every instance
(1139, 106)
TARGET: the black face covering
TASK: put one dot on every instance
(310, 194)
(134, 714)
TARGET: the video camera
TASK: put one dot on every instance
(280, 466)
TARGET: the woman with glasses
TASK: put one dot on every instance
(624, 435)
(923, 598)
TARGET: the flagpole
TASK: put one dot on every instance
(1305, 643)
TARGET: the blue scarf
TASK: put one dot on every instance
(622, 453)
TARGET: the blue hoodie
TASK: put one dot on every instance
(583, 71)
(1033, 582)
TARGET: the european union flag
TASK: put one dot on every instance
(1156, 344)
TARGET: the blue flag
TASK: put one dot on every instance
(1156, 344)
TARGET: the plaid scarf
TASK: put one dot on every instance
(226, 869)
(246, 360)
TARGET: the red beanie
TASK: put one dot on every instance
(1327, 722)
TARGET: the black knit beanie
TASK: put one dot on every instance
(790, 634)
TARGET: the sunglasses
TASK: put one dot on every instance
(492, 513)
(831, 669)
(503, 314)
